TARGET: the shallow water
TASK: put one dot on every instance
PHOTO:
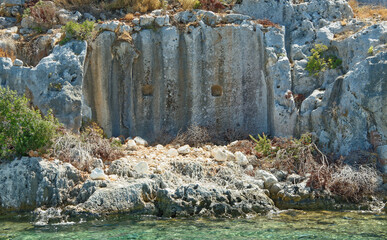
(287, 225)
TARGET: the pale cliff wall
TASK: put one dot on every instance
(183, 69)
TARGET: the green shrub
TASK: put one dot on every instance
(319, 61)
(23, 129)
(263, 145)
(77, 31)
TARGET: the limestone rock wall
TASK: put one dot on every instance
(170, 78)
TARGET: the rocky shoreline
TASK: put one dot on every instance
(163, 181)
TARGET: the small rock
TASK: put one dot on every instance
(113, 177)
(98, 174)
(219, 154)
(15, 36)
(136, 21)
(146, 21)
(18, 62)
(140, 141)
(157, 12)
(184, 149)
(275, 188)
(89, 17)
(131, 145)
(102, 16)
(142, 168)
(294, 178)
(159, 147)
(269, 178)
(12, 30)
(241, 159)
(96, 163)
(172, 152)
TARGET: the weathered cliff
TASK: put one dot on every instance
(163, 72)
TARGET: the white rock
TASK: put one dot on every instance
(18, 62)
(267, 177)
(146, 21)
(142, 168)
(140, 141)
(109, 26)
(131, 145)
(230, 155)
(157, 12)
(184, 149)
(172, 152)
(113, 177)
(98, 174)
(219, 154)
(241, 159)
(159, 147)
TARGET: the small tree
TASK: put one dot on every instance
(21, 128)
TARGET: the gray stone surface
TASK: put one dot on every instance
(167, 88)
(55, 83)
(33, 182)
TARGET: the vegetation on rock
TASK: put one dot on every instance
(77, 31)
(320, 61)
(22, 128)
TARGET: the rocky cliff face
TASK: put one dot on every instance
(170, 78)
(163, 73)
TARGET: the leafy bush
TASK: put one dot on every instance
(319, 61)
(23, 129)
(73, 30)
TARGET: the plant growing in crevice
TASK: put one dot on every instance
(77, 31)
(371, 51)
(320, 61)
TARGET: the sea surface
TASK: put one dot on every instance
(286, 225)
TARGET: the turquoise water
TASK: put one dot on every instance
(287, 225)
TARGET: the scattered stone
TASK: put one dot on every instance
(241, 159)
(140, 141)
(12, 30)
(113, 177)
(108, 26)
(142, 168)
(294, 178)
(131, 145)
(184, 149)
(146, 21)
(89, 17)
(219, 154)
(96, 163)
(98, 174)
(15, 36)
(157, 12)
(267, 177)
(18, 62)
(172, 152)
